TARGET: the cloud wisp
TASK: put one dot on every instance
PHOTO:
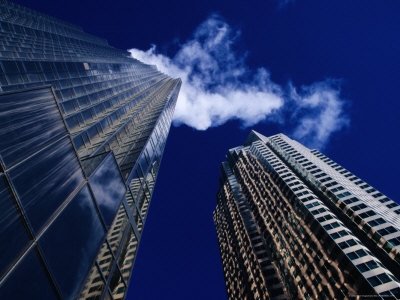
(218, 86)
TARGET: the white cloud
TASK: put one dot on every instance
(217, 86)
(321, 113)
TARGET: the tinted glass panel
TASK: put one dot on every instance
(12, 232)
(94, 285)
(71, 243)
(143, 162)
(28, 281)
(105, 259)
(108, 188)
(127, 255)
(28, 122)
(46, 179)
(117, 229)
(117, 286)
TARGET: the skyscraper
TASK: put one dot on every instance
(293, 224)
(82, 131)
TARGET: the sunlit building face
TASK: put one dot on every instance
(293, 224)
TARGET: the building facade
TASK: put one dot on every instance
(82, 131)
(293, 224)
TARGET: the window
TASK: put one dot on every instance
(324, 218)
(325, 179)
(357, 254)
(369, 265)
(58, 162)
(387, 230)
(377, 195)
(12, 228)
(351, 200)
(331, 226)
(315, 171)
(339, 188)
(307, 198)
(347, 244)
(345, 194)
(339, 234)
(331, 184)
(358, 207)
(77, 230)
(391, 205)
(107, 199)
(384, 200)
(297, 188)
(379, 279)
(395, 241)
(367, 214)
(320, 175)
(32, 274)
(318, 211)
(312, 204)
(302, 193)
(376, 222)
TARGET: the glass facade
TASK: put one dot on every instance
(82, 131)
(293, 224)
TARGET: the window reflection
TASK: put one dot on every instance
(71, 243)
(117, 229)
(94, 285)
(128, 253)
(135, 185)
(12, 231)
(108, 188)
(143, 162)
(117, 286)
(105, 259)
(31, 122)
(28, 281)
(45, 180)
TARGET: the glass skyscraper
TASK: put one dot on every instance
(82, 131)
(293, 224)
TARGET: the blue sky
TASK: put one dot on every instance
(326, 72)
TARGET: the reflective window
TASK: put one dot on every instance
(94, 285)
(108, 188)
(117, 286)
(143, 162)
(142, 197)
(136, 180)
(12, 232)
(127, 255)
(117, 229)
(46, 179)
(90, 164)
(28, 281)
(71, 243)
(105, 259)
(32, 121)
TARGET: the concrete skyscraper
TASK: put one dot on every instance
(82, 132)
(293, 224)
